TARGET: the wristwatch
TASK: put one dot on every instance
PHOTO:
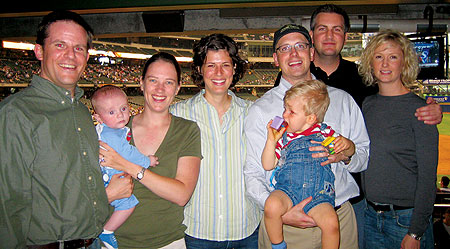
(140, 175)
(347, 161)
(414, 236)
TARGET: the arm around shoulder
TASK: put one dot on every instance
(430, 114)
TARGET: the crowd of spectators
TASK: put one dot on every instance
(17, 71)
(259, 77)
(21, 71)
(111, 74)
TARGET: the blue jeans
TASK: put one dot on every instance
(386, 230)
(360, 209)
(251, 242)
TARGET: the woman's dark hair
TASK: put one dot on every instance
(163, 56)
(216, 42)
(62, 15)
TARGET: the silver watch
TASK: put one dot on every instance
(140, 175)
(414, 236)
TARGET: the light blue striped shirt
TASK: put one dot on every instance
(219, 210)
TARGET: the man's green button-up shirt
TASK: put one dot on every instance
(51, 187)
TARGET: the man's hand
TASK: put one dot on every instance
(120, 186)
(409, 243)
(323, 152)
(431, 113)
(297, 218)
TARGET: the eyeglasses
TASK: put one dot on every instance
(300, 46)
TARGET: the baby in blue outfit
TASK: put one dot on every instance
(297, 175)
(113, 113)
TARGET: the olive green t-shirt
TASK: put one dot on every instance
(157, 222)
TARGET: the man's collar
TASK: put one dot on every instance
(54, 90)
(287, 84)
(316, 67)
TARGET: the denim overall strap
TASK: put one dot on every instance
(273, 176)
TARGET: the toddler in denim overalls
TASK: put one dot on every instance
(297, 174)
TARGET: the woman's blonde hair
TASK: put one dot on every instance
(410, 60)
(315, 95)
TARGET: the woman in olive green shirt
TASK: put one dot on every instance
(163, 190)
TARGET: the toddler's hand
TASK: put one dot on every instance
(344, 145)
(273, 134)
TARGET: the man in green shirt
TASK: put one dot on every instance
(51, 189)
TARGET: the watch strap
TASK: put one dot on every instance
(414, 236)
(140, 175)
(347, 161)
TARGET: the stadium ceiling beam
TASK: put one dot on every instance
(19, 9)
(206, 21)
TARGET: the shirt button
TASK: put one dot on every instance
(95, 203)
(220, 196)
(67, 93)
(220, 216)
(90, 178)
(79, 129)
(84, 153)
(62, 102)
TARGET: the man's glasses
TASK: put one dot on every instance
(300, 46)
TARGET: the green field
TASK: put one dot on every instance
(444, 127)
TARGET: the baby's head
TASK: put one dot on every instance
(111, 107)
(305, 104)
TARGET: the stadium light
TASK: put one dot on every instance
(184, 59)
(18, 45)
(101, 52)
(29, 46)
(132, 55)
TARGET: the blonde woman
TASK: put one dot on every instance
(400, 180)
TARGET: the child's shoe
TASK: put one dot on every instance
(282, 245)
(109, 240)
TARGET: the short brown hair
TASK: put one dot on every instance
(102, 91)
(315, 94)
(62, 15)
(216, 42)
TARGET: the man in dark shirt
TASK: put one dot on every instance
(352, 84)
(328, 28)
(51, 188)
